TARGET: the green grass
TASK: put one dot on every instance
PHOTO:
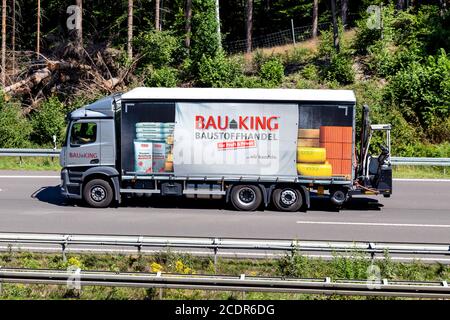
(421, 172)
(289, 266)
(29, 163)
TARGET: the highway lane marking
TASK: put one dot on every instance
(376, 224)
(28, 177)
(421, 180)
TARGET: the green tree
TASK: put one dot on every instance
(48, 121)
(14, 128)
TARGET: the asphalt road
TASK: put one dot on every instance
(418, 211)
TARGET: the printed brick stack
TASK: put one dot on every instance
(337, 141)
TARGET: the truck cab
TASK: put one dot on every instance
(89, 153)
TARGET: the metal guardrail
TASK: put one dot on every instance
(116, 244)
(55, 153)
(411, 161)
(381, 287)
(29, 152)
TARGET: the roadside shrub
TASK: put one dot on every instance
(310, 72)
(336, 66)
(165, 77)
(14, 128)
(272, 72)
(339, 69)
(298, 55)
(219, 71)
(157, 47)
(422, 90)
(47, 121)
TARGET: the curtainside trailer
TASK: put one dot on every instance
(253, 148)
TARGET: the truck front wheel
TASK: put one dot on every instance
(98, 193)
(287, 199)
(246, 197)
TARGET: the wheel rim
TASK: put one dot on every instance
(288, 197)
(339, 196)
(246, 196)
(98, 193)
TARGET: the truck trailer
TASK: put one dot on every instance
(254, 148)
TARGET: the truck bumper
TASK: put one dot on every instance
(69, 189)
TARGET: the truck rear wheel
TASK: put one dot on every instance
(98, 193)
(287, 199)
(338, 197)
(246, 197)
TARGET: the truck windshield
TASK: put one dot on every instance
(83, 133)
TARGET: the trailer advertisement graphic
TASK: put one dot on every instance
(235, 138)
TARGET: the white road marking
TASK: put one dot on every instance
(376, 224)
(422, 180)
(28, 177)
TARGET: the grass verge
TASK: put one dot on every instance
(30, 163)
(290, 266)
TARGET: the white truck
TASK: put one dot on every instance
(252, 147)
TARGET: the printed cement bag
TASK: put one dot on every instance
(143, 155)
(159, 156)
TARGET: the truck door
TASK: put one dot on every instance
(83, 145)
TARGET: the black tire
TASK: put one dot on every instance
(246, 197)
(338, 197)
(98, 193)
(287, 199)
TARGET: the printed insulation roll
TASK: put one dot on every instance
(311, 155)
(314, 170)
(143, 155)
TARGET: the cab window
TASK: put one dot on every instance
(83, 133)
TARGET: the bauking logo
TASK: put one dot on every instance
(241, 123)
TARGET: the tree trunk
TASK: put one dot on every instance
(344, 10)
(4, 43)
(400, 5)
(130, 30)
(315, 18)
(249, 25)
(219, 36)
(157, 24)
(335, 26)
(79, 30)
(38, 33)
(13, 37)
(187, 26)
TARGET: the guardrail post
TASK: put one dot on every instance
(139, 245)
(20, 160)
(243, 292)
(372, 251)
(1, 283)
(158, 274)
(216, 249)
(64, 245)
(64, 252)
